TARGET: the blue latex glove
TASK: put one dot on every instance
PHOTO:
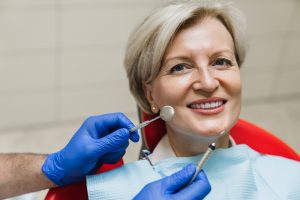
(175, 186)
(101, 139)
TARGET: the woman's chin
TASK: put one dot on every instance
(205, 136)
(203, 132)
(211, 132)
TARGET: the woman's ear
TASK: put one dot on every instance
(148, 94)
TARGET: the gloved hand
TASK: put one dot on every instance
(175, 186)
(101, 139)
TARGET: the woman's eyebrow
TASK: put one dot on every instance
(181, 58)
(230, 51)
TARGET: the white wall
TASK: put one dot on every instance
(62, 60)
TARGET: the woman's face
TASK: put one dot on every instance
(200, 78)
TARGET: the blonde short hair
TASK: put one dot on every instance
(149, 41)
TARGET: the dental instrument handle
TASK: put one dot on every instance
(201, 163)
(143, 124)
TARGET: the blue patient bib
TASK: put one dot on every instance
(235, 173)
(121, 183)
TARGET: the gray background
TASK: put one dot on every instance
(61, 61)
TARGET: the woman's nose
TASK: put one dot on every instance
(205, 81)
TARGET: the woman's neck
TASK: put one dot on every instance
(185, 145)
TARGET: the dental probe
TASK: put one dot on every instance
(166, 113)
(205, 157)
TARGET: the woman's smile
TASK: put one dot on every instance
(209, 106)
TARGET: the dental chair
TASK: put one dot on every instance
(242, 133)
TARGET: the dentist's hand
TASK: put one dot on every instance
(101, 139)
(175, 186)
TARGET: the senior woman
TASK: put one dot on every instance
(188, 55)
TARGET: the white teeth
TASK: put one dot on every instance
(207, 105)
(214, 104)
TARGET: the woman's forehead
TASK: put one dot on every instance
(209, 34)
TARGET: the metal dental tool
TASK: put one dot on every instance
(166, 113)
(146, 154)
(205, 157)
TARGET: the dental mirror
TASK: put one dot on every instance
(166, 113)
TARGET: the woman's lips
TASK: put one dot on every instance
(208, 106)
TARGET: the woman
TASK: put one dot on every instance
(188, 55)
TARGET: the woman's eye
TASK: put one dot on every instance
(223, 62)
(178, 68)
